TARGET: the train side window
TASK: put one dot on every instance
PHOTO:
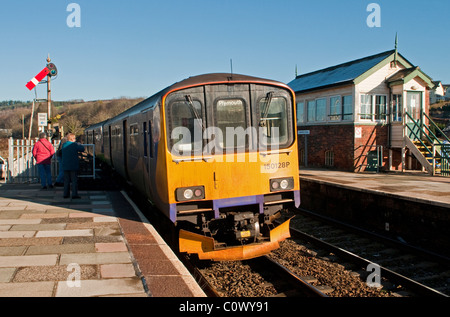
(144, 128)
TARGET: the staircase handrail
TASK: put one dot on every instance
(437, 128)
(417, 137)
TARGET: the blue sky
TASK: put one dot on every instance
(135, 48)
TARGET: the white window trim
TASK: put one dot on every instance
(360, 105)
(374, 100)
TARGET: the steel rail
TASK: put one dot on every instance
(414, 286)
(292, 278)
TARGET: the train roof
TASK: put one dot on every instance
(221, 78)
(205, 79)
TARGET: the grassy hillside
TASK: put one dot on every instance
(74, 116)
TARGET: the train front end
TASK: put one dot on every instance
(232, 165)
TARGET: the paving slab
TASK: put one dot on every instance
(34, 289)
(104, 287)
(54, 247)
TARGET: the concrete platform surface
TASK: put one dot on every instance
(416, 186)
(99, 245)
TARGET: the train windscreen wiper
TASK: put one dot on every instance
(195, 112)
(262, 123)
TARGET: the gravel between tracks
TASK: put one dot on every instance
(237, 279)
(303, 263)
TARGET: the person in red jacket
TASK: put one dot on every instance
(43, 151)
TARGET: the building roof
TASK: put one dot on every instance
(341, 74)
(405, 75)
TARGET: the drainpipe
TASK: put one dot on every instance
(390, 118)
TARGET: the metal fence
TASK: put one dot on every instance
(445, 159)
(21, 166)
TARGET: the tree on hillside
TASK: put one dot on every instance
(72, 125)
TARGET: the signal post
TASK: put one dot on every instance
(50, 71)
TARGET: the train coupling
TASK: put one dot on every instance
(207, 249)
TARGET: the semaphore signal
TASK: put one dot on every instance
(49, 70)
(38, 78)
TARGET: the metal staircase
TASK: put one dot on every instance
(432, 152)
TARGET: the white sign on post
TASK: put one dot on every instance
(42, 119)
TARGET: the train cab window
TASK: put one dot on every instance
(274, 120)
(186, 127)
(232, 122)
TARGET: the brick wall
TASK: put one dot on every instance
(350, 153)
(371, 136)
(336, 138)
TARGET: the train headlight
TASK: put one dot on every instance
(190, 193)
(284, 184)
(278, 184)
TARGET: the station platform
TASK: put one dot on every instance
(412, 207)
(99, 245)
(410, 185)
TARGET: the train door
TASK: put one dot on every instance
(125, 148)
(147, 156)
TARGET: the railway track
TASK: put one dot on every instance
(259, 277)
(345, 277)
(402, 269)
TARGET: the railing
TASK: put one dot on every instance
(443, 135)
(22, 168)
(417, 132)
(445, 159)
(439, 150)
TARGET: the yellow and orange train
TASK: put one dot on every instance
(217, 154)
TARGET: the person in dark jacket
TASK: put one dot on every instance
(71, 165)
(60, 179)
(43, 151)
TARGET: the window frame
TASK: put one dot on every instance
(246, 118)
(338, 115)
(289, 120)
(347, 116)
(302, 114)
(323, 117)
(362, 115)
(377, 114)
